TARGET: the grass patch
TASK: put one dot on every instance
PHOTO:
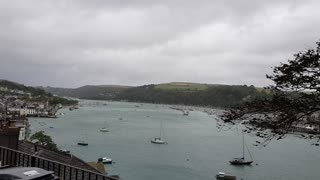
(182, 86)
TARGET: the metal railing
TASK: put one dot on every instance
(64, 171)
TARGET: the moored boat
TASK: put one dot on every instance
(223, 176)
(157, 141)
(82, 143)
(104, 129)
(242, 160)
(105, 160)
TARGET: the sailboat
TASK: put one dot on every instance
(82, 142)
(105, 128)
(242, 161)
(158, 140)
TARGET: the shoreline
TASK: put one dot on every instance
(179, 107)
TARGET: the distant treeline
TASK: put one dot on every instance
(103, 92)
(215, 96)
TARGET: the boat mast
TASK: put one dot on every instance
(160, 128)
(242, 145)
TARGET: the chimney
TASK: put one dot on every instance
(9, 137)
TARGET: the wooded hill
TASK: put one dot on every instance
(169, 93)
(101, 92)
(192, 94)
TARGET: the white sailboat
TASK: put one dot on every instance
(105, 128)
(158, 140)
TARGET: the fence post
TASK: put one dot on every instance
(33, 161)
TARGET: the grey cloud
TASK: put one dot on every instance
(72, 43)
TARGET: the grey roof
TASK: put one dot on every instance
(29, 148)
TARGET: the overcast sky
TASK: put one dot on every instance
(70, 43)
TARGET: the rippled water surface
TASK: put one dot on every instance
(196, 149)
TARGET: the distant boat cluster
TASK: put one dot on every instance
(187, 109)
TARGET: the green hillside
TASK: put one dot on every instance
(202, 95)
(182, 86)
(168, 93)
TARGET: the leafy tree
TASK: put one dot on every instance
(295, 97)
(44, 140)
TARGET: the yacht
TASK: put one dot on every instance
(242, 160)
(105, 127)
(158, 140)
(82, 141)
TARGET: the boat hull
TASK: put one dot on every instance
(239, 163)
(157, 142)
(226, 177)
(83, 144)
(107, 162)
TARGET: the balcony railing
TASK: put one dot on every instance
(64, 171)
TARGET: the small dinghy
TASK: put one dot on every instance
(105, 160)
(223, 176)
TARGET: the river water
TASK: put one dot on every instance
(196, 149)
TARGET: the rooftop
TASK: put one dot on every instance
(59, 156)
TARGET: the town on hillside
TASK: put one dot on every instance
(18, 102)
